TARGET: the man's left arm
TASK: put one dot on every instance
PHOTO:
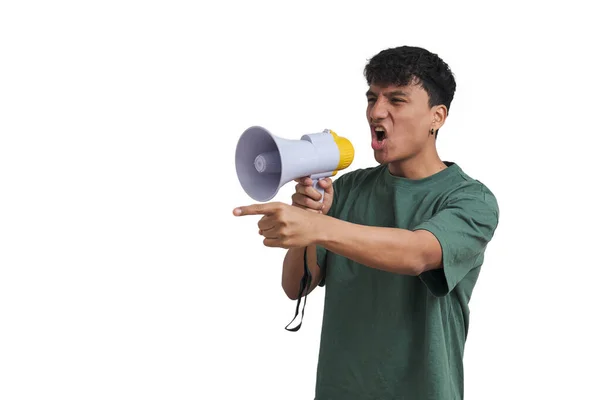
(389, 249)
(452, 240)
(441, 250)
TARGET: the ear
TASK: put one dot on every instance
(440, 112)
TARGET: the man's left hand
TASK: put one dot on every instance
(283, 225)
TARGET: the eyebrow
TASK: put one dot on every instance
(391, 94)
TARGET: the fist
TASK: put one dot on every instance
(307, 197)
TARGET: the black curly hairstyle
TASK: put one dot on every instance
(413, 65)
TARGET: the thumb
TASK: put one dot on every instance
(327, 185)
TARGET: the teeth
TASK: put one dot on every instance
(379, 129)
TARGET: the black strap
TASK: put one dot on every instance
(304, 284)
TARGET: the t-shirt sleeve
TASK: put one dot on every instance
(322, 262)
(463, 226)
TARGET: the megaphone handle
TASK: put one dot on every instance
(319, 188)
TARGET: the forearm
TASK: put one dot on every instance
(293, 271)
(388, 249)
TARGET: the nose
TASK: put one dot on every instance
(377, 110)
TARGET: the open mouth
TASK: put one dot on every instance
(378, 137)
(379, 133)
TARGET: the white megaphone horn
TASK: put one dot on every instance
(265, 162)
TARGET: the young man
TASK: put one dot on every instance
(398, 246)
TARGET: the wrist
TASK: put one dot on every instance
(322, 227)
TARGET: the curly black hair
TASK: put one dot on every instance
(406, 64)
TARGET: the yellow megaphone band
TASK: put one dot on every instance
(346, 151)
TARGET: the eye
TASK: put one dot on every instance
(396, 101)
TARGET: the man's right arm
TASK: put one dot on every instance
(306, 197)
(293, 271)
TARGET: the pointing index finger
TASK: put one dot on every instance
(255, 209)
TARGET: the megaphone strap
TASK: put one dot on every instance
(304, 283)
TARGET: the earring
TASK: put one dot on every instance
(431, 131)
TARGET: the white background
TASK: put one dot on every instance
(124, 275)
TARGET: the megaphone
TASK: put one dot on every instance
(265, 162)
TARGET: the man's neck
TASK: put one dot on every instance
(418, 167)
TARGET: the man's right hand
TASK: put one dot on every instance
(308, 197)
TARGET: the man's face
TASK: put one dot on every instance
(400, 119)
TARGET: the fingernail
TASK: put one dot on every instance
(237, 211)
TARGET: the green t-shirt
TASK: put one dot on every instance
(391, 336)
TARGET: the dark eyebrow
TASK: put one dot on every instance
(391, 94)
(397, 93)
